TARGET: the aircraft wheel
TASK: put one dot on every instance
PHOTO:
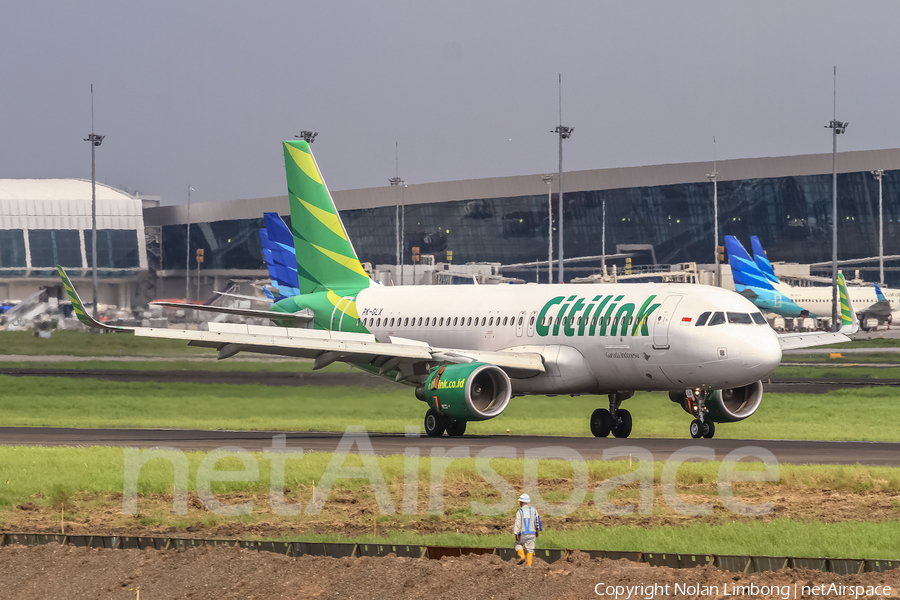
(601, 422)
(709, 429)
(435, 423)
(456, 429)
(696, 426)
(622, 424)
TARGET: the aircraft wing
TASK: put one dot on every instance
(299, 318)
(409, 358)
(849, 326)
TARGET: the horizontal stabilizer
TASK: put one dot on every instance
(298, 317)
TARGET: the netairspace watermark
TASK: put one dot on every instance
(693, 590)
(356, 438)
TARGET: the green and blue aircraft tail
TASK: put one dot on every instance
(329, 273)
(326, 259)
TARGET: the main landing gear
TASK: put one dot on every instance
(436, 424)
(695, 403)
(615, 420)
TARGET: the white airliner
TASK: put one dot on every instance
(469, 349)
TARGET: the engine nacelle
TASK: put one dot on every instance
(729, 405)
(467, 392)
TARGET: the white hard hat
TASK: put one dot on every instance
(525, 498)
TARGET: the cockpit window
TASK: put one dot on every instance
(740, 318)
(717, 319)
(759, 319)
(701, 320)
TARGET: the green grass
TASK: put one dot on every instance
(79, 343)
(836, 373)
(62, 402)
(208, 363)
(780, 537)
(48, 477)
(855, 358)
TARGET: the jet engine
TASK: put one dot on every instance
(467, 392)
(728, 405)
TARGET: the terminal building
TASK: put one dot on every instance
(48, 222)
(665, 209)
(660, 214)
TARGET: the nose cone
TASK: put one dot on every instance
(761, 352)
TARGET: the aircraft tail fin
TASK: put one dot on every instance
(281, 260)
(849, 320)
(326, 259)
(761, 260)
(79, 309)
(879, 295)
(743, 269)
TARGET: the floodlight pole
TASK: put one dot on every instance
(95, 141)
(836, 127)
(714, 177)
(879, 174)
(398, 183)
(187, 263)
(548, 179)
(564, 133)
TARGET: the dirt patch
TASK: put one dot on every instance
(353, 512)
(207, 573)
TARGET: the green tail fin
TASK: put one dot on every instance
(79, 309)
(326, 259)
(849, 321)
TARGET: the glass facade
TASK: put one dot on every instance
(116, 249)
(790, 215)
(12, 248)
(226, 244)
(51, 247)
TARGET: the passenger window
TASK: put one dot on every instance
(759, 319)
(441, 323)
(454, 321)
(717, 319)
(392, 321)
(491, 322)
(378, 322)
(740, 318)
(504, 320)
(531, 320)
(520, 320)
(406, 322)
(701, 320)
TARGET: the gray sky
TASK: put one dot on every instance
(200, 93)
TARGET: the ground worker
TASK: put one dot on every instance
(527, 528)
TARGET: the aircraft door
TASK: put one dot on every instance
(531, 321)
(520, 324)
(664, 318)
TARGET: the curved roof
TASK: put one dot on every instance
(57, 189)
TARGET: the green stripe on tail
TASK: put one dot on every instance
(326, 259)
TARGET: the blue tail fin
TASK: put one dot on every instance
(761, 260)
(879, 295)
(743, 270)
(278, 248)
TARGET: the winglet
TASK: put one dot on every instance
(849, 320)
(79, 309)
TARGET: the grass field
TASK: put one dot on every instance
(62, 402)
(83, 485)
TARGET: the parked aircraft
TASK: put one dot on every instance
(468, 350)
(755, 279)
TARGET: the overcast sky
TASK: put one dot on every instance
(200, 93)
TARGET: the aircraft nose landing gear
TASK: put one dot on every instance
(695, 404)
(615, 420)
